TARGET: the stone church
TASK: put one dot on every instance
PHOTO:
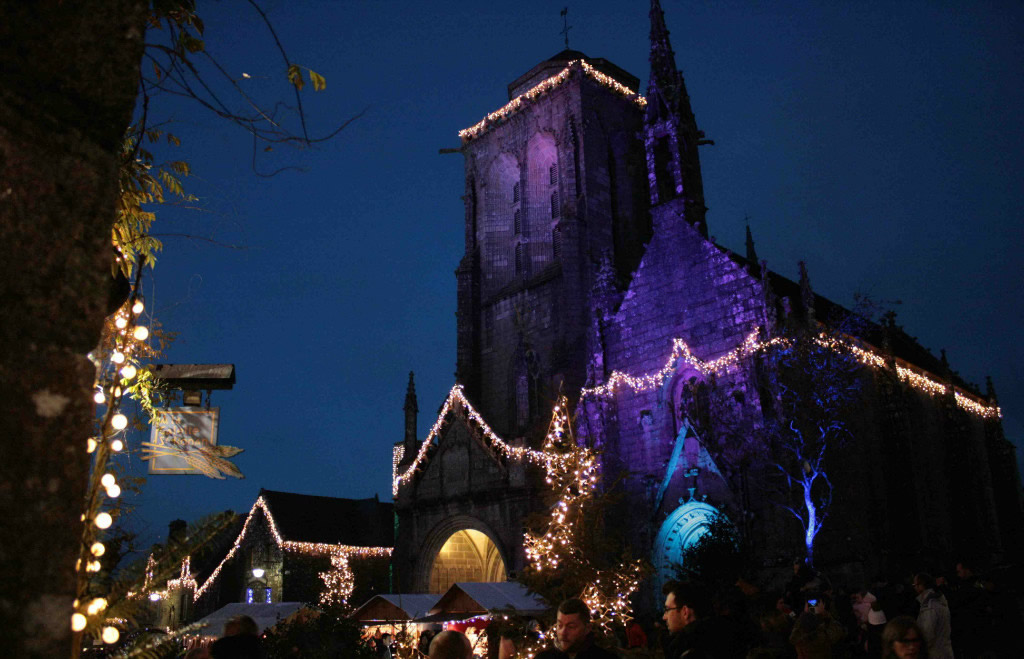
(588, 270)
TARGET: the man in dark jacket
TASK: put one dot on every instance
(573, 635)
(240, 640)
(686, 609)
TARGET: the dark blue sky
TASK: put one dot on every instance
(880, 142)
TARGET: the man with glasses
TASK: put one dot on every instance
(686, 608)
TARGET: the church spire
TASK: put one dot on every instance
(664, 75)
(671, 136)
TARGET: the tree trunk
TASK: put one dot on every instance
(68, 79)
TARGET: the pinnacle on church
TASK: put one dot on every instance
(410, 396)
(411, 410)
(751, 252)
(806, 293)
(990, 391)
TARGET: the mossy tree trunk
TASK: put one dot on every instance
(68, 78)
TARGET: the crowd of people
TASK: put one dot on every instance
(921, 617)
(925, 616)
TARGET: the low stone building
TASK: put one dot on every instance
(282, 551)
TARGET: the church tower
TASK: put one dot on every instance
(554, 180)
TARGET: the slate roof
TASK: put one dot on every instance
(466, 599)
(309, 518)
(264, 615)
(903, 346)
(399, 606)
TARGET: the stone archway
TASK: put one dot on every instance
(683, 527)
(460, 548)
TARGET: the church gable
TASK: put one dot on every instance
(460, 464)
(685, 287)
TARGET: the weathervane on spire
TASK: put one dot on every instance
(565, 26)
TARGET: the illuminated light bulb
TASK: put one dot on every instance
(77, 622)
(117, 392)
(97, 549)
(117, 357)
(99, 397)
(141, 333)
(114, 491)
(128, 372)
(120, 422)
(104, 520)
(90, 445)
(110, 635)
(121, 322)
(154, 597)
(117, 445)
(107, 480)
(138, 307)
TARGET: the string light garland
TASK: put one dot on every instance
(456, 396)
(516, 104)
(681, 353)
(308, 548)
(574, 479)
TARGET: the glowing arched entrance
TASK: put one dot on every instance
(467, 555)
(683, 527)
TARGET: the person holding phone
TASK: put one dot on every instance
(816, 632)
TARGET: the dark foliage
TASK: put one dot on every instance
(326, 634)
(716, 559)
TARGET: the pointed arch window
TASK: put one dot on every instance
(517, 222)
(515, 193)
(556, 242)
(556, 207)
(553, 174)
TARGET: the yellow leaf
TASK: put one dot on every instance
(319, 82)
(295, 76)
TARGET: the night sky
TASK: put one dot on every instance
(879, 142)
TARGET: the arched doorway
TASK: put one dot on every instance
(466, 555)
(683, 527)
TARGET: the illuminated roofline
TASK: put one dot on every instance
(513, 106)
(288, 545)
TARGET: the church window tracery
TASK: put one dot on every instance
(556, 209)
